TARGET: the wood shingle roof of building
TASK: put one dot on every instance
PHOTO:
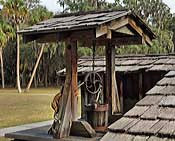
(92, 25)
(128, 64)
(152, 118)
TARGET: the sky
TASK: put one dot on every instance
(53, 6)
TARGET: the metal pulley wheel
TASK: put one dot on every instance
(93, 82)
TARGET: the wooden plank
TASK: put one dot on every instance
(109, 136)
(167, 113)
(117, 137)
(123, 137)
(168, 101)
(152, 113)
(145, 37)
(168, 129)
(74, 82)
(143, 127)
(137, 111)
(118, 23)
(150, 100)
(140, 86)
(121, 97)
(64, 126)
(108, 95)
(156, 90)
(170, 74)
(154, 138)
(123, 124)
(101, 30)
(141, 138)
(124, 30)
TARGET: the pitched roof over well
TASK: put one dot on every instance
(152, 118)
(122, 23)
(128, 64)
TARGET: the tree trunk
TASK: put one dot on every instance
(18, 59)
(2, 69)
(36, 66)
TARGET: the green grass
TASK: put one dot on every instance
(27, 107)
(33, 106)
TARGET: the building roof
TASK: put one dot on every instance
(128, 64)
(99, 21)
(152, 118)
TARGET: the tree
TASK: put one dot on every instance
(157, 15)
(37, 14)
(82, 5)
(16, 12)
(6, 32)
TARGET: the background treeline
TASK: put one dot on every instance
(18, 14)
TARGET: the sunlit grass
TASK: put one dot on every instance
(18, 109)
(27, 107)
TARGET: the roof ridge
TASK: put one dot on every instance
(89, 12)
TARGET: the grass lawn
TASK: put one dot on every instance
(18, 109)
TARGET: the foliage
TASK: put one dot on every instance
(15, 11)
(29, 12)
(83, 5)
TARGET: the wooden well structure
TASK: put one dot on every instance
(101, 28)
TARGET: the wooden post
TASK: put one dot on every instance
(68, 110)
(121, 95)
(74, 84)
(140, 86)
(110, 78)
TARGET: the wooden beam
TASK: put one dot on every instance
(106, 29)
(109, 34)
(133, 24)
(121, 95)
(118, 23)
(63, 128)
(124, 30)
(114, 89)
(110, 70)
(140, 85)
(74, 84)
(101, 30)
(132, 40)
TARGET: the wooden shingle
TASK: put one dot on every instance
(168, 101)
(167, 81)
(137, 111)
(140, 138)
(170, 74)
(168, 129)
(144, 127)
(156, 90)
(154, 138)
(150, 100)
(152, 113)
(167, 113)
(123, 124)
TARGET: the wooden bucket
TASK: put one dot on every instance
(98, 117)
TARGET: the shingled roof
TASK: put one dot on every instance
(95, 24)
(127, 64)
(152, 118)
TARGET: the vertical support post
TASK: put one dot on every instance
(63, 128)
(110, 78)
(83, 115)
(140, 86)
(69, 103)
(74, 83)
(121, 95)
